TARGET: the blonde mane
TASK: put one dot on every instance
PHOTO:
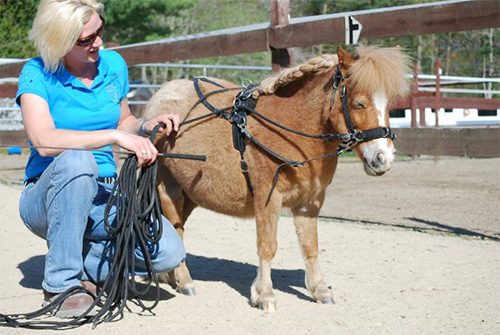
(381, 69)
(375, 69)
(314, 65)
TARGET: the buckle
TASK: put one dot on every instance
(31, 180)
(342, 91)
(386, 131)
(106, 180)
(358, 136)
(345, 137)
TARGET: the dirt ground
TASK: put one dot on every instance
(416, 251)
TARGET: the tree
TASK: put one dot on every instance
(16, 18)
(209, 15)
(134, 21)
(468, 53)
(128, 21)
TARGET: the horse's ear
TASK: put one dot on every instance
(345, 58)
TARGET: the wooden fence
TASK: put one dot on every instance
(282, 33)
(429, 18)
(467, 142)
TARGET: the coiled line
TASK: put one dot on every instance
(138, 223)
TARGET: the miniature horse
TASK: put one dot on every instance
(342, 97)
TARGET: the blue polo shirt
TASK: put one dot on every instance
(77, 107)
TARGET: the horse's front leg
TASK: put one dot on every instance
(306, 226)
(266, 217)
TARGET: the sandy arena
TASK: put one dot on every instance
(416, 251)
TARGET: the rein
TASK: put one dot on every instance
(245, 104)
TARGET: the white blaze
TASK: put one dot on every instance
(380, 101)
(371, 149)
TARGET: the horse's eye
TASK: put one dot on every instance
(358, 104)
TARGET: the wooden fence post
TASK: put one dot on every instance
(280, 10)
(437, 95)
(413, 97)
(437, 100)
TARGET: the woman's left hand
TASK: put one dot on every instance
(171, 122)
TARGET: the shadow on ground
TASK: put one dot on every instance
(422, 225)
(33, 269)
(240, 276)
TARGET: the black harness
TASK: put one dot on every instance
(244, 104)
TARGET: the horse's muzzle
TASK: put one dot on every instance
(377, 159)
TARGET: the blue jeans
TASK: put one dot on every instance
(66, 208)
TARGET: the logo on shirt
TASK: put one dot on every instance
(113, 90)
(27, 77)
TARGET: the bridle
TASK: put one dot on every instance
(354, 136)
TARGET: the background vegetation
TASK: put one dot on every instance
(468, 53)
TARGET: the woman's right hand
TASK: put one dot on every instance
(145, 151)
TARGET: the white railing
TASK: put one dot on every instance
(450, 118)
(10, 117)
(427, 83)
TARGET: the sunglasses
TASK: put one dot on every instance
(89, 40)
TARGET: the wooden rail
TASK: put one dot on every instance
(467, 142)
(13, 138)
(430, 18)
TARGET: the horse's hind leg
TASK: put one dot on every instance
(306, 226)
(181, 276)
(176, 207)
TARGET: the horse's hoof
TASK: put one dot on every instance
(267, 306)
(191, 291)
(328, 301)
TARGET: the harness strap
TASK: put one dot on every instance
(243, 103)
(345, 108)
(327, 137)
(202, 98)
(238, 118)
(337, 152)
(337, 78)
(200, 94)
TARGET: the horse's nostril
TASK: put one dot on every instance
(381, 158)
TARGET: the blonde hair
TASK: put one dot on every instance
(383, 69)
(57, 26)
